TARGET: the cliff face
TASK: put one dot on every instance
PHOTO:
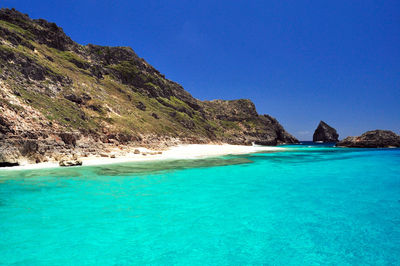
(61, 96)
(325, 133)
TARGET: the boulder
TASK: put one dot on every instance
(74, 98)
(141, 106)
(325, 133)
(9, 155)
(67, 163)
(372, 139)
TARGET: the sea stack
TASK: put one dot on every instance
(372, 139)
(325, 133)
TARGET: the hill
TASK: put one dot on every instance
(57, 96)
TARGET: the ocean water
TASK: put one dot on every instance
(309, 205)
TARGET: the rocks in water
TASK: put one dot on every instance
(372, 139)
(325, 133)
(67, 163)
(136, 151)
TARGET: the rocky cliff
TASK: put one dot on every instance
(372, 139)
(325, 133)
(58, 96)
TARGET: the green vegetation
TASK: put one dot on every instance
(71, 57)
(60, 110)
(126, 68)
(230, 125)
(15, 28)
(6, 48)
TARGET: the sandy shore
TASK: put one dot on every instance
(189, 151)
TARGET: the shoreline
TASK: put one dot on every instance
(179, 152)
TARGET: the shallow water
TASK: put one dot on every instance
(306, 206)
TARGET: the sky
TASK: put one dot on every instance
(300, 61)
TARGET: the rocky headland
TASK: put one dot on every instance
(372, 139)
(325, 133)
(60, 100)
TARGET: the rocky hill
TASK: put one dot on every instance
(325, 133)
(372, 139)
(57, 95)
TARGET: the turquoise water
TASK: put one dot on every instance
(306, 206)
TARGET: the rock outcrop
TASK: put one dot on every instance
(68, 163)
(325, 133)
(9, 155)
(242, 114)
(58, 97)
(372, 139)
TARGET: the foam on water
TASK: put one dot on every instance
(308, 206)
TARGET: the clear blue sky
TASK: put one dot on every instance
(299, 61)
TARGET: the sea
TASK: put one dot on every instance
(306, 205)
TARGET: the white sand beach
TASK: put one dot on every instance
(188, 151)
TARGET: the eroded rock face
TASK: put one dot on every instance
(9, 155)
(372, 139)
(48, 33)
(325, 133)
(242, 114)
(5, 126)
(233, 110)
(68, 138)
